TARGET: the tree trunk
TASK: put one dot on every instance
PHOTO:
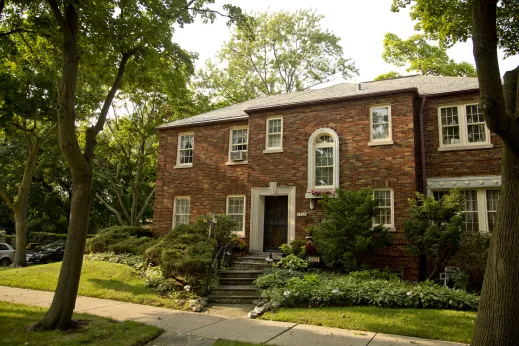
(498, 310)
(60, 312)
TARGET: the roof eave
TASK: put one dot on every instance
(169, 126)
(447, 93)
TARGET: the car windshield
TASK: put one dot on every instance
(51, 247)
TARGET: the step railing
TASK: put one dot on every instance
(223, 252)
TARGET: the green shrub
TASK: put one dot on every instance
(347, 231)
(45, 237)
(223, 230)
(137, 262)
(184, 254)
(10, 239)
(292, 262)
(297, 247)
(121, 239)
(294, 289)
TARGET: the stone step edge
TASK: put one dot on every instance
(217, 296)
(240, 271)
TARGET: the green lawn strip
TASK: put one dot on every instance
(98, 279)
(92, 330)
(445, 325)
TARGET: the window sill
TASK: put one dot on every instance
(390, 228)
(189, 165)
(375, 143)
(234, 163)
(309, 195)
(271, 151)
(466, 147)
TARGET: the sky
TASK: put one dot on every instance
(361, 25)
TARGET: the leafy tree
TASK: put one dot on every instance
(276, 53)
(98, 43)
(423, 57)
(491, 24)
(28, 94)
(347, 231)
(434, 229)
(389, 75)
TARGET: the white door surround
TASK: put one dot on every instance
(257, 212)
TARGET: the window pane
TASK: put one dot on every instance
(275, 126)
(380, 131)
(325, 139)
(471, 210)
(186, 149)
(239, 139)
(182, 211)
(383, 214)
(439, 194)
(236, 211)
(380, 115)
(324, 176)
(450, 125)
(492, 203)
(274, 141)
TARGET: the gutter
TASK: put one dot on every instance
(203, 122)
(422, 144)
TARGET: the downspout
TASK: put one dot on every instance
(422, 144)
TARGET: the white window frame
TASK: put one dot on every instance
(184, 165)
(242, 232)
(268, 149)
(390, 226)
(463, 130)
(233, 128)
(481, 195)
(176, 198)
(311, 161)
(381, 141)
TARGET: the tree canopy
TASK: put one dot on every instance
(276, 53)
(420, 56)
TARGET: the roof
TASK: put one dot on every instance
(423, 85)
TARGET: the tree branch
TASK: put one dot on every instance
(57, 14)
(112, 209)
(145, 205)
(8, 199)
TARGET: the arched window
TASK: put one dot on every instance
(323, 160)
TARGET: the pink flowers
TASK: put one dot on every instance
(320, 192)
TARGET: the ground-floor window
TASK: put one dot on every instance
(236, 211)
(384, 214)
(480, 208)
(181, 211)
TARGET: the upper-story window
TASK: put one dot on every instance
(462, 127)
(380, 125)
(238, 144)
(186, 142)
(274, 137)
(323, 160)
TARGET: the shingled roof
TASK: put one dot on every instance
(423, 85)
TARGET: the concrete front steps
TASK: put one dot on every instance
(236, 282)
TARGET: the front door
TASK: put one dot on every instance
(276, 222)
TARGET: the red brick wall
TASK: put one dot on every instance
(210, 180)
(471, 162)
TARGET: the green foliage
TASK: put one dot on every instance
(46, 237)
(471, 260)
(296, 247)
(275, 53)
(120, 240)
(369, 288)
(184, 254)
(450, 21)
(389, 75)
(347, 229)
(435, 227)
(222, 230)
(292, 262)
(134, 261)
(239, 245)
(421, 56)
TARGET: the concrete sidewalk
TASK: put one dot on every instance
(187, 328)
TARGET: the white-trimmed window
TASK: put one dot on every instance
(462, 127)
(181, 211)
(480, 208)
(380, 125)
(236, 211)
(323, 160)
(274, 137)
(384, 215)
(238, 144)
(186, 143)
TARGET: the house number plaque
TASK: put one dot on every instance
(303, 213)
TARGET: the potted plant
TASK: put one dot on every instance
(239, 247)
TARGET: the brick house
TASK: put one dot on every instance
(266, 161)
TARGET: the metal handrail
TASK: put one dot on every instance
(216, 259)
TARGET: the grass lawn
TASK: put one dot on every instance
(446, 325)
(92, 330)
(98, 279)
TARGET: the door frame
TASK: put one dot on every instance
(258, 213)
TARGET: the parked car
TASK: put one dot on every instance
(49, 253)
(6, 254)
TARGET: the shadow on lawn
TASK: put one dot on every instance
(118, 285)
